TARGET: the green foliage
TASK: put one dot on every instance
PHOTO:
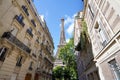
(58, 73)
(83, 36)
(68, 57)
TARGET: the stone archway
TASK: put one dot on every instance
(28, 76)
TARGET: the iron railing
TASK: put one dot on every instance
(17, 42)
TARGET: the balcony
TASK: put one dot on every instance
(19, 20)
(48, 50)
(25, 10)
(15, 41)
(48, 61)
(43, 45)
(33, 22)
(29, 32)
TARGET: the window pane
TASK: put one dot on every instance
(115, 68)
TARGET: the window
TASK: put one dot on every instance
(19, 61)
(91, 12)
(30, 67)
(25, 10)
(3, 51)
(34, 52)
(20, 19)
(103, 37)
(37, 40)
(33, 22)
(102, 34)
(30, 31)
(115, 69)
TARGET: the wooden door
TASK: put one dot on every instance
(28, 76)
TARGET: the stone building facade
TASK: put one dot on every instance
(26, 45)
(83, 51)
(103, 20)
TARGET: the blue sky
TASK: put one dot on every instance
(53, 11)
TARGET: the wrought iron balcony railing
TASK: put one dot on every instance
(15, 41)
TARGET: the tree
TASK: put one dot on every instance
(58, 73)
(68, 57)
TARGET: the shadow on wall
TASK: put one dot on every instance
(86, 67)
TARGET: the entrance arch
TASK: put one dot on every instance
(28, 76)
(36, 76)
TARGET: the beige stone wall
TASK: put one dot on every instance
(107, 15)
(7, 22)
(108, 74)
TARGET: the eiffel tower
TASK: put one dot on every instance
(62, 43)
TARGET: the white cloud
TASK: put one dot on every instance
(69, 22)
(67, 40)
(42, 17)
(70, 29)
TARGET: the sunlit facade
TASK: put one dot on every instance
(86, 67)
(103, 21)
(26, 45)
